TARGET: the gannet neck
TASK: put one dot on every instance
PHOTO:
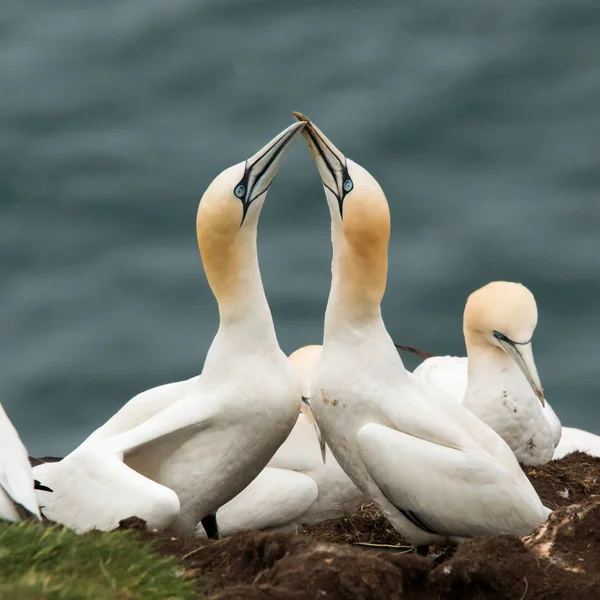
(484, 359)
(360, 228)
(360, 262)
(233, 273)
(226, 228)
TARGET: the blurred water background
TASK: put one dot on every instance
(480, 120)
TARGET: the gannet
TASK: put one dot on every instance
(501, 384)
(17, 497)
(574, 440)
(176, 454)
(297, 487)
(435, 470)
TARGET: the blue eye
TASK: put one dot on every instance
(348, 185)
(240, 191)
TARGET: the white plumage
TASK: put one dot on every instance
(437, 472)
(16, 477)
(499, 381)
(574, 439)
(297, 487)
(175, 454)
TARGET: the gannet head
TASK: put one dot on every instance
(504, 314)
(228, 212)
(360, 214)
(304, 360)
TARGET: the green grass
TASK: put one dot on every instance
(52, 563)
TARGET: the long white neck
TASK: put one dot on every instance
(234, 276)
(353, 314)
(487, 363)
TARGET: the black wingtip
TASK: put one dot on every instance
(416, 351)
(38, 486)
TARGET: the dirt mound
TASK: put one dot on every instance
(501, 567)
(362, 556)
(570, 538)
(364, 526)
(559, 561)
(566, 481)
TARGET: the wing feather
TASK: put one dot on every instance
(16, 477)
(449, 491)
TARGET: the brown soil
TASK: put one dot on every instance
(572, 479)
(361, 556)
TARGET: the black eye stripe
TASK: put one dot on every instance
(244, 182)
(503, 338)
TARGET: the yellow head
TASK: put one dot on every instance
(304, 360)
(503, 315)
(228, 214)
(360, 220)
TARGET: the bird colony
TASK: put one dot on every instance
(260, 440)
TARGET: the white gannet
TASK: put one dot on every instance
(435, 470)
(297, 487)
(17, 497)
(574, 440)
(174, 455)
(499, 383)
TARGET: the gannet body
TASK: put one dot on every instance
(175, 454)
(17, 497)
(574, 440)
(297, 487)
(435, 470)
(499, 383)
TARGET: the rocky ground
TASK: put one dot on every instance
(361, 556)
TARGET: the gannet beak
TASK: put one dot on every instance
(320, 437)
(522, 354)
(261, 168)
(330, 162)
(322, 445)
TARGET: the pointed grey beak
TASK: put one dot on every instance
(320, 438)
(263, 166)
(522, 354)
(322, 445)
(331, 163)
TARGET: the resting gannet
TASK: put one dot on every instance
(574, 440)
(297, 487)
(17, 498)
(435, 470)
(175, 455)
(502, 386)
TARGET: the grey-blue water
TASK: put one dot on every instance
(480, 120)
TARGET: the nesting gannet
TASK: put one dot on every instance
(574, 440)
(435, 470)
(174, 455)
(17, 498)
(500, 384)
(296, 487)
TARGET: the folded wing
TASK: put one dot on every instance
(276, 498)
(16, 477)
(445, 490)
(93, 488)
(449, 373)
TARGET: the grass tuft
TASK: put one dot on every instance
(54, 563)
